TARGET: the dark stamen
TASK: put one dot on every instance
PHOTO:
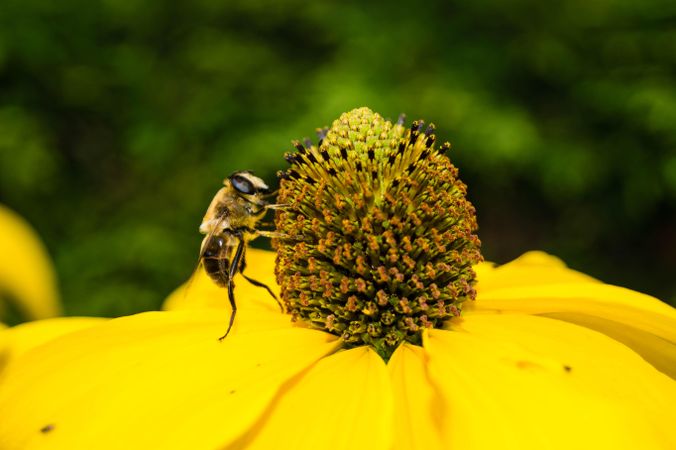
(298, 146)
(415, 131)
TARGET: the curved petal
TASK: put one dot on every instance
(342, 402)
(522, 382)
(26, 270)
(655, 349)
(637, 320)
(530, 269)
(5, 348)
(201, 292)
(24, 337)
(483, 270)
(418, 413)
(154, 380)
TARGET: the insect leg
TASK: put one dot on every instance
(258, 283)
(270, 194)
(234, 264)
(263, 285)
(272, 234)
(276, 206)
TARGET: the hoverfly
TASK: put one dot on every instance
(229, 224)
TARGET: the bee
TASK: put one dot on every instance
(229, 224)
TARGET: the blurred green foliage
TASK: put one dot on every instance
(118, 120)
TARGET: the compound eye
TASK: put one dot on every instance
(242, 184)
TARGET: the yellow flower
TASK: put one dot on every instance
(378, 355)
(517, 371)
(26, 271)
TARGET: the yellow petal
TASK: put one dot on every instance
(531, 268)
(25, 268)
(418, 413)
(655, 349)
(639, 321)
(343, 402)
(154, 380)
(201, 292)
(21, 338)
(260, 265)
(5, 348)
(483, 269)
(522, 382)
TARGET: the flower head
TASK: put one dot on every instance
(545, 358)
(381, 237)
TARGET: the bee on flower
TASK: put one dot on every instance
(399, 336)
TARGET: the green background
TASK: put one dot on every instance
(119, 119)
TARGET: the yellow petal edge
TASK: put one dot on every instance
(153, 380)
(518, 381)
(200, 292)
(26, 270)
(541, 284)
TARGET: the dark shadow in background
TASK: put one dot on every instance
(118, 122)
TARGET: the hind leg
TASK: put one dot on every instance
(259, 284)
(236, 261)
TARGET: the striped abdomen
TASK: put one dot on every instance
(216, 260)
